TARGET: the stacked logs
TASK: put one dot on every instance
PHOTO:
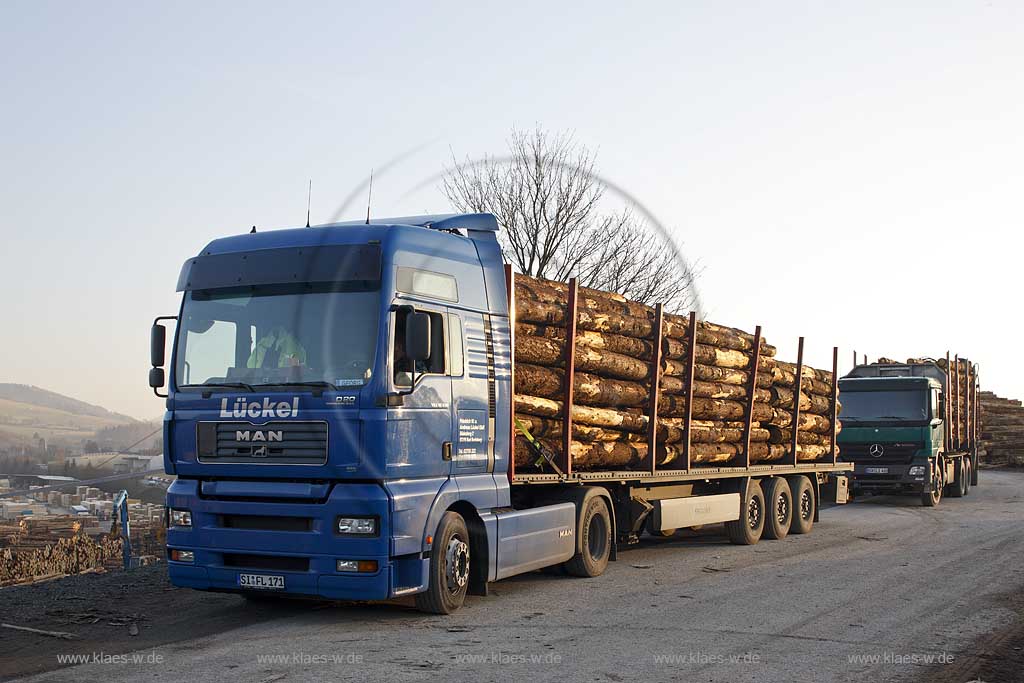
(38, 547)
(70, 555)
(612, 382)
(1002, 429)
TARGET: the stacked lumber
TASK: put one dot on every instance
(71, 555)
(1002, 429)
(613, 378)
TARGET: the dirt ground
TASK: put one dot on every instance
(996, 657)
(114, 613)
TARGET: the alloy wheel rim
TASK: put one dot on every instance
(456, 561)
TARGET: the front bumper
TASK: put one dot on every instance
(873, 476)
(231, 536)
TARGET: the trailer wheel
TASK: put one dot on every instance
(449, 567)
(779, 508)
(932, 493)
(748, 528)
(958, 489)
(595, 540)
(968, 474)
(803, 505)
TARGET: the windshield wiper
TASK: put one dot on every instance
(315, 384)
(208, 387)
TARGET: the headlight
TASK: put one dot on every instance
(917, 471)
(357, 526)
(361, 566)
(182, 556)
(181, 518)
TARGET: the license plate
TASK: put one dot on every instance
(266, 582)
(876, 470)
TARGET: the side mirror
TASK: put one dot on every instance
(157, 342)
(417, 336)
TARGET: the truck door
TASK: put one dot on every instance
(472, 368)
(421, 428)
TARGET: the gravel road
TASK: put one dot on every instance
(882, 590)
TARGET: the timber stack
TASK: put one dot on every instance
(709, 405)
(1002, 429)
(43, 547)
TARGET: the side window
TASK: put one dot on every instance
(455, 344)
(435, 365)
(937, 404)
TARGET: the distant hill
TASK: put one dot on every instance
(27, 412)
(24, 393)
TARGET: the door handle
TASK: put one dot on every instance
(446, 450)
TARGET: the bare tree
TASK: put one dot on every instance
(547, 199)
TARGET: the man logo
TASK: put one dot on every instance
(876, 450)
(269, 435)
(260, 452)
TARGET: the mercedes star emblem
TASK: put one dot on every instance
(876, 450)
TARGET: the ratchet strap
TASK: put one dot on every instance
(544, 454)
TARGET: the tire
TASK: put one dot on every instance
(804, 505)
(449, 567)
(958, 488)
(748, 528)
(968, 474)
(932, 493)
(595, 540)
(778, 508)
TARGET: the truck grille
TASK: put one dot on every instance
(273, 443)
(891, 452)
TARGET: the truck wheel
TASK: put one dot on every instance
(449, 567)
(932, 493)
(779, 508)
(803, 505)
(595, 540)
(748, 528)
(968, 473)
(958, 489)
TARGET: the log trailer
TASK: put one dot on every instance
(912, 428)
(340, 420)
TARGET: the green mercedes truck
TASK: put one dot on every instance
(911, 428)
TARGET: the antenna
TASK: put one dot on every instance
(369, 197)
(309, 197)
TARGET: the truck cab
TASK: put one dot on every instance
(896, 432)
(332, 394)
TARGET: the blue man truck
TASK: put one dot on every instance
(912, 428)
(340, 422)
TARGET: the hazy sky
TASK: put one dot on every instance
(851, 172)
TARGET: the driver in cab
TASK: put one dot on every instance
(277, 348)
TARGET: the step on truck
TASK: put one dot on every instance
(340, 421)
(911, 428)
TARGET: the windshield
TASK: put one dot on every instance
(884, 405)
(277, 334)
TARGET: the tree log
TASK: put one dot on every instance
(588, 389)
(548, 352)
(812, 403)
(785, 435)
(551, 428)
(625, 455)
(545, 302)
